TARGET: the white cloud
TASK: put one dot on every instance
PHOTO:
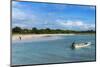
(78, 24)
(17, 13)
(21, 17)
(72, 23)
(21, 25)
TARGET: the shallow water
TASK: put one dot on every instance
(54, 49)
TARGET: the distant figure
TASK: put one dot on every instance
(20, 37)
(73, 43)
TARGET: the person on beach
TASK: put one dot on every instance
(20, 37)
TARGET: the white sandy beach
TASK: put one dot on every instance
(34, 36)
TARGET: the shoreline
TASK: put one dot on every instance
(34, 36)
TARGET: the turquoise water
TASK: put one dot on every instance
(54, 49)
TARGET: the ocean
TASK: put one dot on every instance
(53, 49)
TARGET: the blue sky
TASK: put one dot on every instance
(54, 16)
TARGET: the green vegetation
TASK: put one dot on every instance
(18, 30)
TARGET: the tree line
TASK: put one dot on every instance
(34, 30)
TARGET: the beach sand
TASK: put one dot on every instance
(33, 36)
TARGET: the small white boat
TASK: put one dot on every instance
(80, 45)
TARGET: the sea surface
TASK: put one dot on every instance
(53, 49)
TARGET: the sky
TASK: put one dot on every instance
(53, 16)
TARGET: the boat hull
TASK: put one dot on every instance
(80, 45)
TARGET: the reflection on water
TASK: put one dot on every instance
(54, 49)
